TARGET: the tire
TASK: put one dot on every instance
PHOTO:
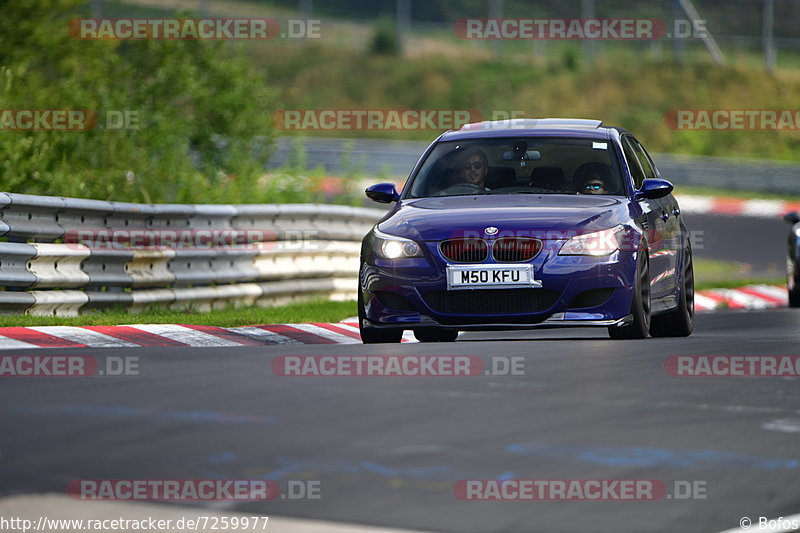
(794, 297)
(680, 322)
(375, 335)
(435, 335)
(640, 303)
(793, 288)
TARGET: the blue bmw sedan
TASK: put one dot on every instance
(528, 223)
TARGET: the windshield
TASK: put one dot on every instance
(519, 165)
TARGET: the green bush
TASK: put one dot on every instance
(385, 40)
(203, 111)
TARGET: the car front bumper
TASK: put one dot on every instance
(397, 294)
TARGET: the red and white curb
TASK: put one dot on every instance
(345, 332)
(165, 335)
(749, 297)
(711, 205)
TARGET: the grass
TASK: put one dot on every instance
(733, 284)
(310, 311)
(716, 274)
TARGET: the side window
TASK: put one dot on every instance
(652, 163)
(644, 159)
(633, 163)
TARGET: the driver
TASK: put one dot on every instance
(594, 184)
(474, 167)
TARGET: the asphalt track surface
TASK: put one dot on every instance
(388, 450)
(758, 245)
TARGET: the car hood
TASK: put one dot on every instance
(433, 219)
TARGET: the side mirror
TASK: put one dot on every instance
(384, 193)
(653, 188)
(792, 218)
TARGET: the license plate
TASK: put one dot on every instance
(490, 276)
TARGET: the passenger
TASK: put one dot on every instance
(594, 184)
(593, 178)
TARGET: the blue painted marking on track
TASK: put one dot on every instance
(289, 466)
(224, 457)
(632, 456)
(155, 414)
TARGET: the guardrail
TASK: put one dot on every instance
(66, 256)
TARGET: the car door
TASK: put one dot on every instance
(655, 222)
(670, 213)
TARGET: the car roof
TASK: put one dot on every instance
(561, 127)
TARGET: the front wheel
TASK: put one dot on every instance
(640, 303)
(435, 335)
(680, 322)
(380, 336)
(374, 335)
(794, 297)
(794, 291)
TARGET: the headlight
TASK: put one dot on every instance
(596, 244)
(391, 247)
